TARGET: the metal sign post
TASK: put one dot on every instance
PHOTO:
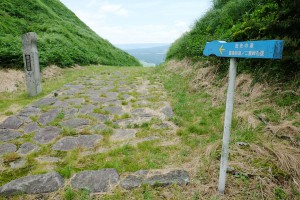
(268, 49)
(31, 64)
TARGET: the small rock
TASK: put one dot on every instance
(33, 127)
(123, 134)
(27, 148)
(11, 123)
(99, 127)
(7, 148)
(17, 163)
(242, 144)
(33, 184)
(46, 135)
(168, 111)
(96, 181)
(75, 123)
(6, 134)
(49, 116)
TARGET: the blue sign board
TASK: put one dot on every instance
(268, 49)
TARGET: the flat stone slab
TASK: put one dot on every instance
(76, 101)
(68, 143)
(87, 109)
(45, 102)
(27, 148)
(96, 181)
(6, 135)
(35, 184)
(75, 123)
(48, 117)
(46, 135)
(168, 111)
(156, 178)
(48, 159)
(116, 110)
(17, 163)
(29, 111)
(33, 127)
(100, 117)
(7, 148)
(11, 123)
(123, 134)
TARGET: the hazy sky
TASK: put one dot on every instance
(138, 21)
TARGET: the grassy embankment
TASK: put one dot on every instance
(63, 39)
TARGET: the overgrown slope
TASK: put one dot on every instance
(241, 20)
(63, 39)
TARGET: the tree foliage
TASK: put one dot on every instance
(63, 39)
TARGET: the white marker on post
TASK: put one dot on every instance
(227, 125)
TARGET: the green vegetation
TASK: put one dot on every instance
(63, 39)
(242, 20)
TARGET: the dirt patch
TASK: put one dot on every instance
(51, 72)
(11, 80)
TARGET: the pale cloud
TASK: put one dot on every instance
(115, 9)
(136, 21)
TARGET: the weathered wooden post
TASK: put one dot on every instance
(267, 49)
(31, 64)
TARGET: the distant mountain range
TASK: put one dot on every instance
(149, 54)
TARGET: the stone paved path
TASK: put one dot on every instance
(80, 115)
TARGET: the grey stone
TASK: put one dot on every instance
(75, 123)
(48, 159)
(242, 144)
(48, 117)
(125, 122)
(116, 110)
(76, 101)
(34, 184)
(123, 134)
(155, 178)
(71, 112)
(87, 109)
(60, 104)
(29, 128)
(99, 127)
(168, 111)
(17, 163)
(27, 148)
(131, 182)
(100, 117)
(112, 95)
(11, 123)
(29, 111)
(96, 181)
(141, 112)
(68, 143)
(45, 102)
(7, 148)
(47, 135)
(6, 134)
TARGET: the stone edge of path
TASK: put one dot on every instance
(96, 181)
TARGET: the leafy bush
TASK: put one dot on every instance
(63, 39)
(242, 20)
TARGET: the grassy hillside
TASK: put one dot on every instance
(241, 20)
(63, 39)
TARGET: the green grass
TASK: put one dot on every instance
(63, 39)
